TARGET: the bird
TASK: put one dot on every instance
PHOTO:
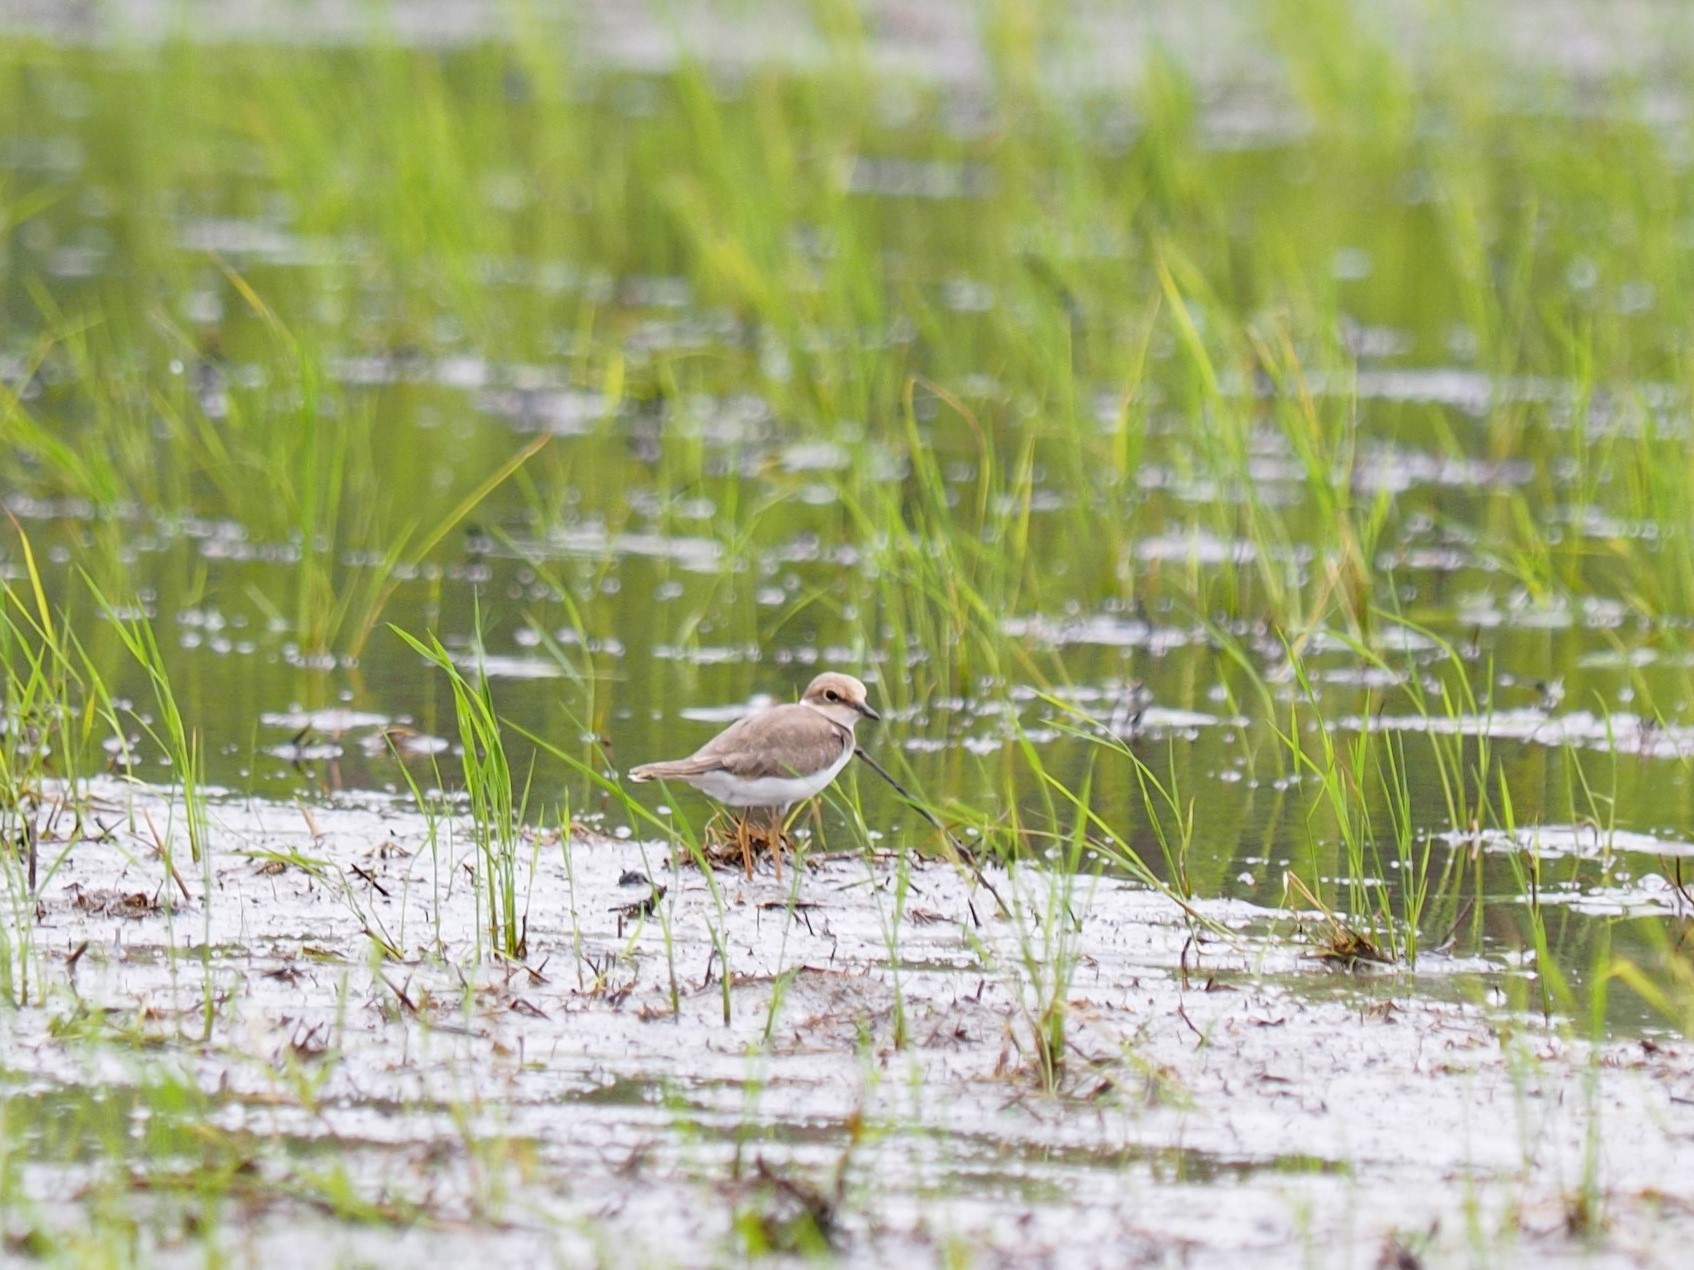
(776, 757)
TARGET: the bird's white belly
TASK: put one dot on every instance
(768, 791)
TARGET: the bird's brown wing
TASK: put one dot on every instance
(782, 741)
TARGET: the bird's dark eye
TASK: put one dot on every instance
(831, 695)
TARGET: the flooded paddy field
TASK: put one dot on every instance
(1253, 478)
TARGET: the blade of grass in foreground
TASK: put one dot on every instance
(496, 805)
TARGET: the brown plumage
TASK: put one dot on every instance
(782, 741)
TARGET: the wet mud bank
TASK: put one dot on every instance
(303, 1042)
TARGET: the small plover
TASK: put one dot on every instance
(776, 757)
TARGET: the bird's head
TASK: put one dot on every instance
(840, 697)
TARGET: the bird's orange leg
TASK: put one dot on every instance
(746, 845)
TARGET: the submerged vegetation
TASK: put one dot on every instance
(1268, 485)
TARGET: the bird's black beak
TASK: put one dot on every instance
(864, 709)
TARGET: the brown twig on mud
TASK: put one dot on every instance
(366, 877)
(159, 846)
(1200, 1037)
(1446, 941)
(641, 909)
(400, 995)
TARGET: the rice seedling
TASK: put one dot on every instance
(1585, 1207)
(173, 735)
(1043, 964)
(437, 824)
(497, 803)
(1169, 818)
(32, 713)
(54, 714)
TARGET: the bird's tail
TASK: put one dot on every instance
(678, 769)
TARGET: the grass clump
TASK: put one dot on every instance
(497, 803)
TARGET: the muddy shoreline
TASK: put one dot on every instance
(1218, 1098)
